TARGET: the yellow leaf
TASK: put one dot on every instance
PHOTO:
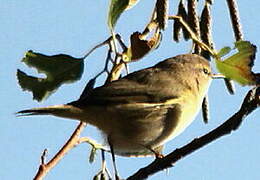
(238, 67)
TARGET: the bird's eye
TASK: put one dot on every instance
(206, 71)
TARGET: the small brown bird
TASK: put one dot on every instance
(140, 112)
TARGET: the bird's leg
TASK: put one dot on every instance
(104, 169)
(113, 159)
(157, 153)
(103, 173)
(103, 161)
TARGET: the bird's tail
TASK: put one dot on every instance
(66, 111)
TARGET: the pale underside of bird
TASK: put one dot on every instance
(140, 112)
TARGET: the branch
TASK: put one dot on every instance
(73, 141)
(250, 103)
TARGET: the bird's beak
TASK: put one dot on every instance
(217, 76)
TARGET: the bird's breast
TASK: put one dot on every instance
(135, 129)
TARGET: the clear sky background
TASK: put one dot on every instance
(73, 27)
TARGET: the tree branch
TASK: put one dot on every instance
(250, 103)
(72, 141)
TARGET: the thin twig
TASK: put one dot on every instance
(97, 46)
(73, 140)
(250, 103)
(43, 156)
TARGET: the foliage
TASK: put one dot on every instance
(59, 69)
(238, 66)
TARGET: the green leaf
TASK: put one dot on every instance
(243, 45)
(238, 67)
(115, 10)
(59, 69)
(224, 51)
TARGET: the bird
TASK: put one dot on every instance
(143, 110)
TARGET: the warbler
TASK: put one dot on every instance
(140, 112)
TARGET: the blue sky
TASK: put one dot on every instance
(73, 27)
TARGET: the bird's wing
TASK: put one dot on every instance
(150, 85)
